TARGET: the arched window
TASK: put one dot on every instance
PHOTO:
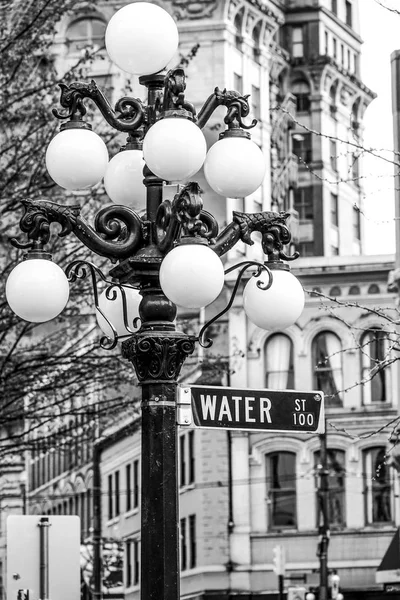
(256, 40)
(335, 291)
(238, 24)
(84, 32)
(373, 289)
(327, 364)
(279, 362)
(336, 499)
(377, 486)
(332, 100)
(374, 373)
(354, 290)
(281, 490)
(301, 90)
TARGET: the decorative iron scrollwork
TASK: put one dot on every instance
(118, 230)
(237, 105)
(129, 114)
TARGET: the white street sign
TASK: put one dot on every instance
(23, 556)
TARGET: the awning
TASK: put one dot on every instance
(389, 569)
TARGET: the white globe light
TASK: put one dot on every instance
(114, 312)
(124, 179)
(279, 306)
(76, 158)
(192, 275)
(37, 290)
(234, 167)
(141, 38)
(174, 149)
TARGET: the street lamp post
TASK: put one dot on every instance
(168, 256)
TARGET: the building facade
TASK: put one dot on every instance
(241, 493)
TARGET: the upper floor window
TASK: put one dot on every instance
(374, 373)
(336, 498)
(279, 362)
(238, 24)
(255, 101)
(303, 203)
(186, 458)
(301, 91)
(85, 32)
(297, 42)
(333, 154)
(281, 490)
(356, 223)
(132, 485)
(238, 83)
(334, 6)
(377, 486)
(132, 558)
(113, 495)
(188, 543)
(302, 147)
(327, 361)
(349, 14)
(334, 210)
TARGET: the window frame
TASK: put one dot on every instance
(373, 488)
(273, 491)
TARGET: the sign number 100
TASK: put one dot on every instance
(303, 419)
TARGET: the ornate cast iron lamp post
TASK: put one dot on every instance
(167, 257)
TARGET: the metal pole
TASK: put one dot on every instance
(97, 564)
(44, 558)
(323, 492)
(281, 580)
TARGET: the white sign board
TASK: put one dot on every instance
(23, 556)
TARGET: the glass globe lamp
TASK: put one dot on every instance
(76, 158)
(113, 310)
(123, 179)
(37, 290)
(174, 148)
(234, 166)
(192, 275)
(277, 307)
(141, 38)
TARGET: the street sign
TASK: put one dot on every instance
(255, 410)
(23, 556)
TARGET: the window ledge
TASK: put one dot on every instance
(114, 520)
(187, 488)
(131, 512)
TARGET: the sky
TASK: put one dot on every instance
(380, 30)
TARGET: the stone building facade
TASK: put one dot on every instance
(241, 493)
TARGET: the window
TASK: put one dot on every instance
(356, 223)
(238, 22)
(132, 549)
(238, 83)
(85, 32)
(342, 54)
(354, 290)
(183, 539)
(333, 154)
(281, 486)
(373, 353)
(297, 42)
(377, 486)
(334, 210)
(110, 497)
(255, 101)
(302, 147)
(301, 90)
(136, 483)
(192, 541)
(336, 498)
(327, 361)
(326, 43)
(334, 6)
(116, 493)
(355, 170)
(303, 203)
(256, 40)
(335, 291)
(187, 458)
(373, 289)
(279, 362)
(128, 477)
(334, 48)
(349, 14)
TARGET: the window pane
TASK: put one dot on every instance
(336, 483)
(327, 361)
(279, 362)
(281, 485)
(373, 350)
(377, 486)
